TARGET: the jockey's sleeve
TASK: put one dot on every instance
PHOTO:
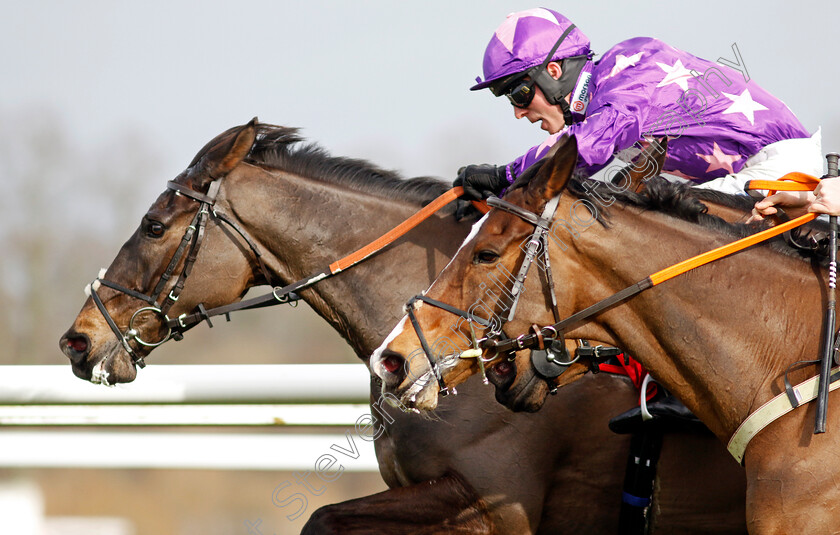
(603, 133)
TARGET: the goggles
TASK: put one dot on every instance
(520, 91)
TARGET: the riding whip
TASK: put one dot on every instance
(830, 312)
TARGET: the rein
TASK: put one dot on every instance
(286, 294)
(193, 237)
(583, 316)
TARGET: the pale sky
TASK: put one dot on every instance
(382, 80)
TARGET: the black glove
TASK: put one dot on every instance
(481, 181)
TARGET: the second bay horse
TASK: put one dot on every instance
(721, 337)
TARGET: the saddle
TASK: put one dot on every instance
(669, 415)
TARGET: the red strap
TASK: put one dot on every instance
(632, 369)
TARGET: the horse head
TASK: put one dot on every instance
(478, 281)
(519, 385)
(128, 311)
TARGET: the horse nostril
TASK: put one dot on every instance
(504, 368)
(392, 363)
(78, 345)
(391, 368)
(75, 346)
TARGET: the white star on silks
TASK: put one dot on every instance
(675, 74)
(743, 103)
(719, 159)
(622, 62)
(507, 30)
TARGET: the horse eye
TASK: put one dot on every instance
(155, 229)
(485, 257)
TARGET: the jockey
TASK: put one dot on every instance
(722, 128)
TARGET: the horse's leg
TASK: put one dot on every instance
(446, 505)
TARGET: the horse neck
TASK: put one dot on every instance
(716, 336)
(305, 225)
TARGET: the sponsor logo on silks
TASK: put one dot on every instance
(580, 96)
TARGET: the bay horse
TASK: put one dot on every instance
(720, 337)
(519, 386)
(477, 467)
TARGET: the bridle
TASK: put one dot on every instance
(550, 348)
(190, 245)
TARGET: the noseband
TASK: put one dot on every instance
(193, 237)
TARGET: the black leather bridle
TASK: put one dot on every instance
(288, 294)
(549, 353)
(189, 246)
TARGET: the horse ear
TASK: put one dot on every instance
(647, 165)
(556, 172)
(224, 153)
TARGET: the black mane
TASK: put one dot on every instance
(282, 148)
(683, 202)
(675, 199)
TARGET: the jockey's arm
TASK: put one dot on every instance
(600, 136)
(825, 199)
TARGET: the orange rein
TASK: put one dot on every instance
(285, 294)
(789, 182)
(398, 231)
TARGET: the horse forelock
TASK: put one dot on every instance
(279, 147)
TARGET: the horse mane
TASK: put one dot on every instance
(279, 147)
(740, 202)
(673, 198)
(682, 201)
